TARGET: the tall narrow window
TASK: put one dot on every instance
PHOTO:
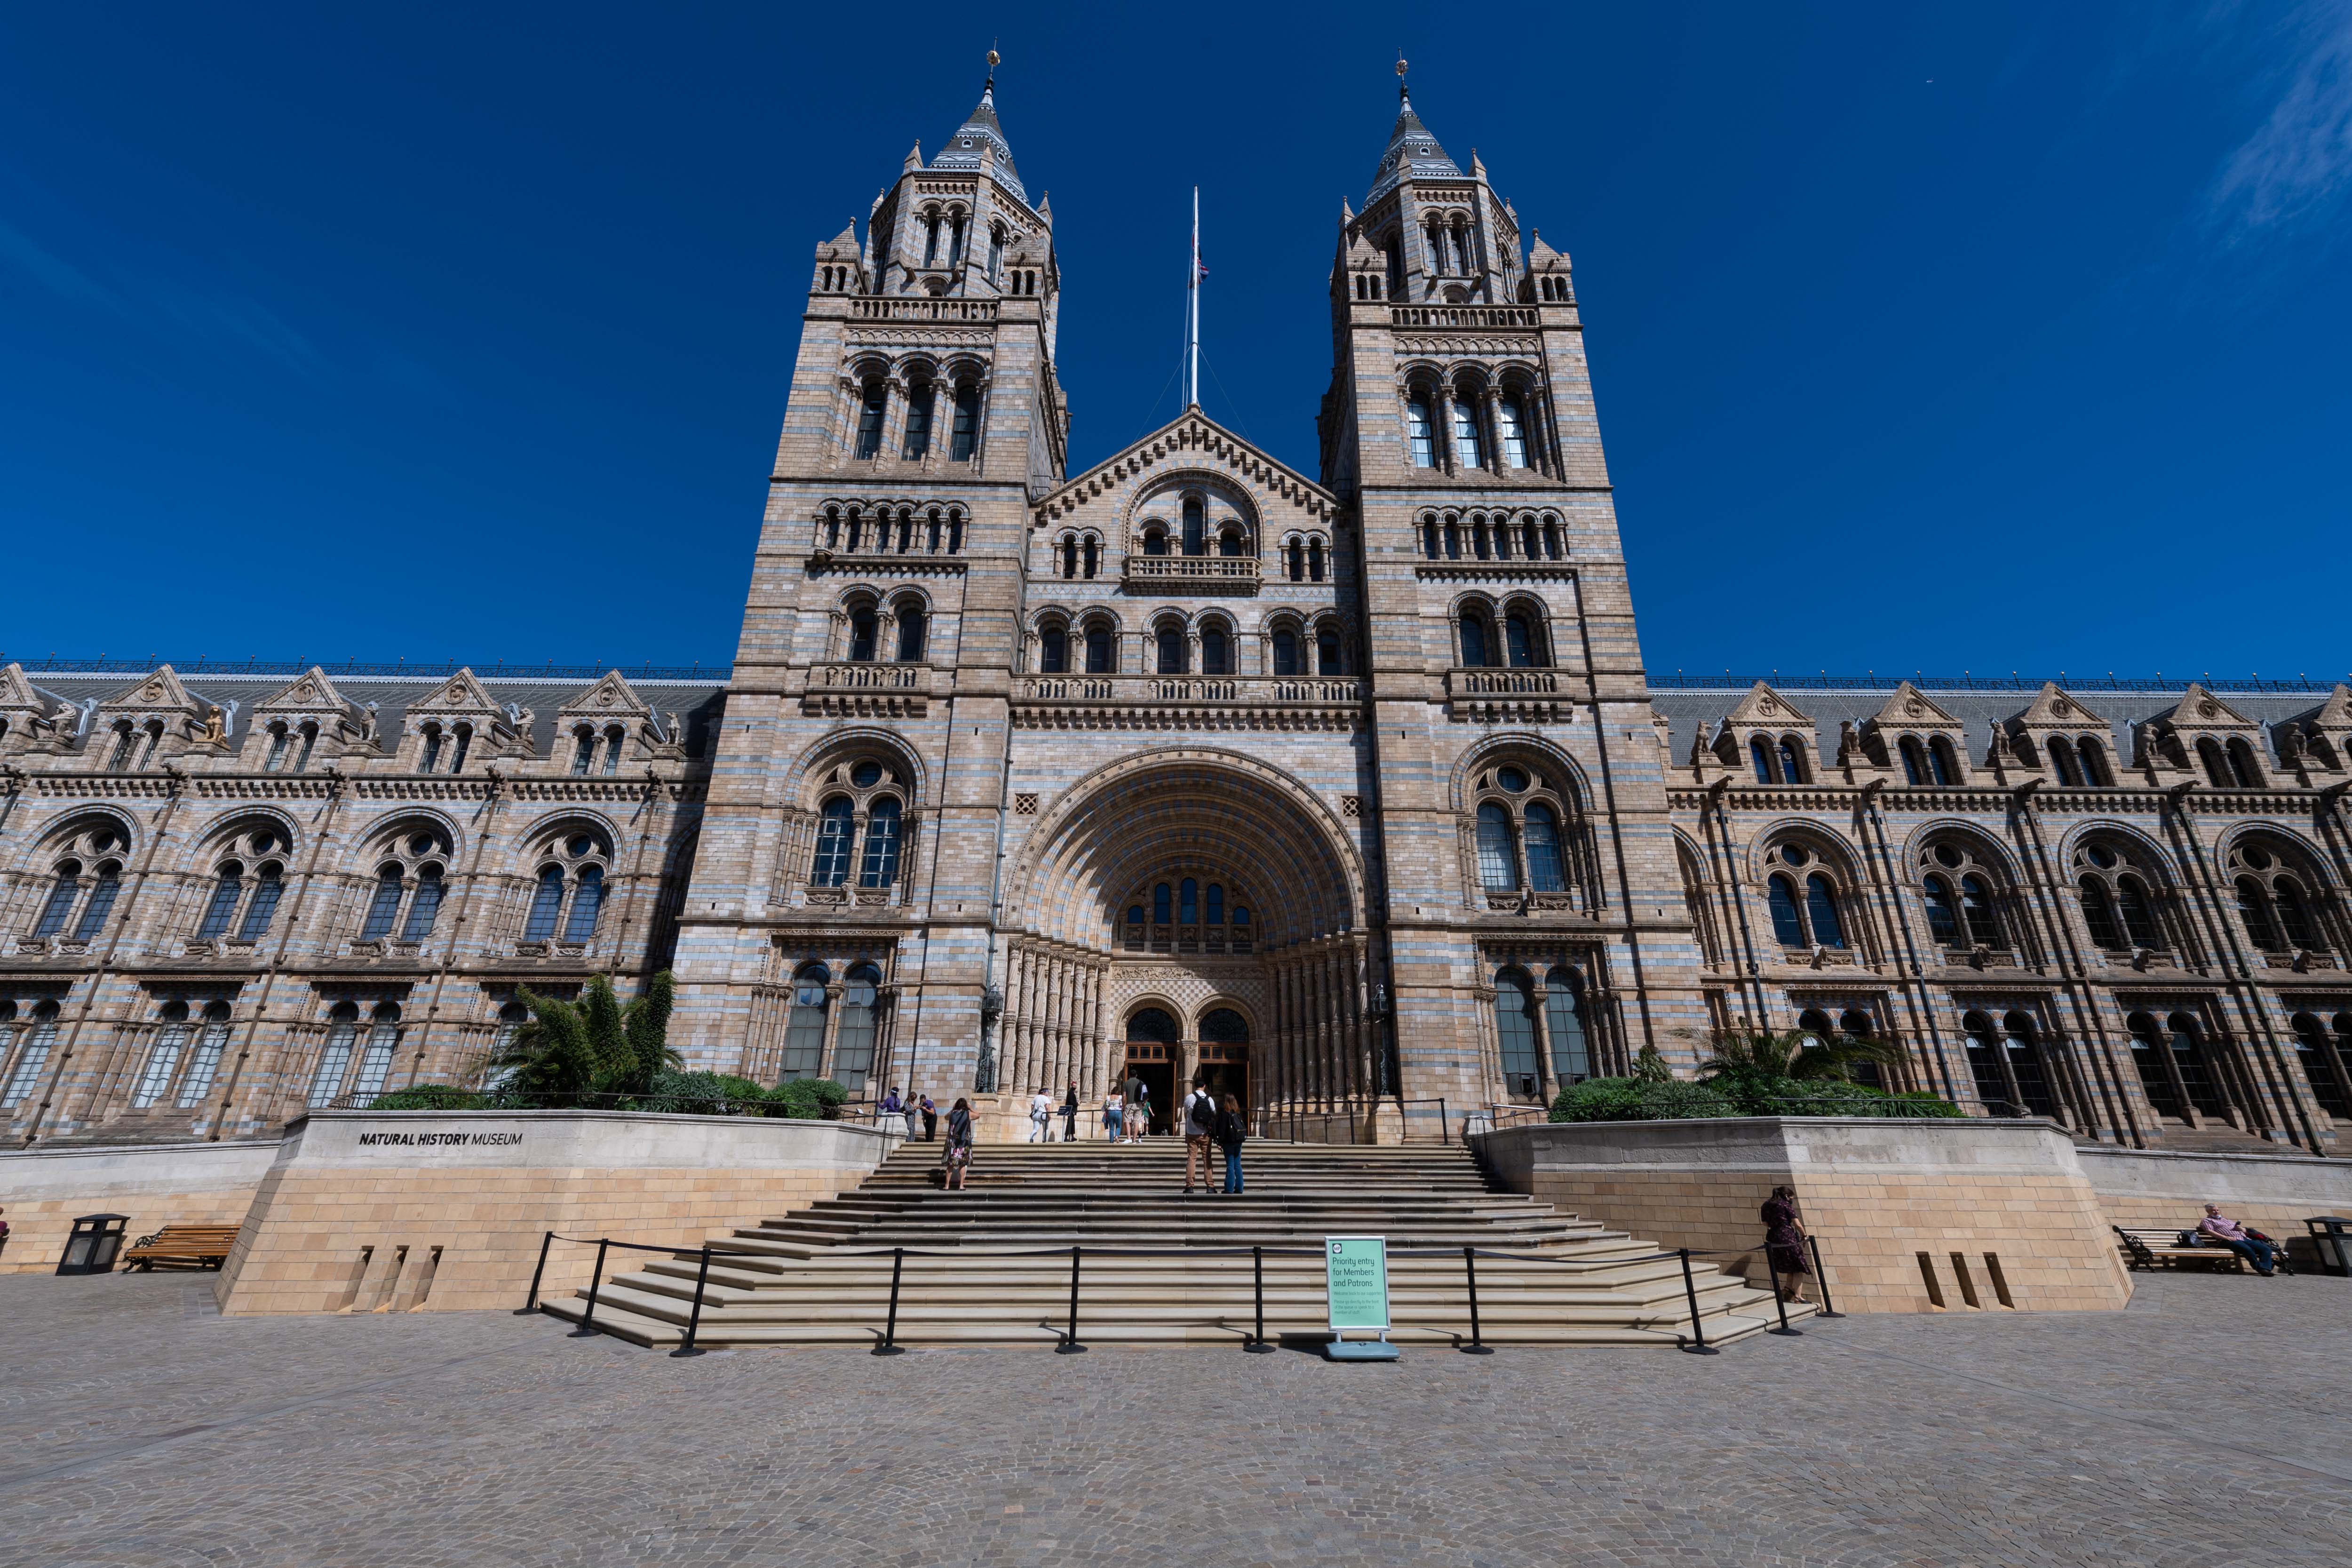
(1229, 544)
(587, 903)
(60, 903)
(1792, 762)
(853, 1049)
(1327, 651)
(1188, 902)
(124, 739)
(1786, 925)
(1474, 642)
(911, 633)
(2025, 1064)
(1285, 652)
(1914, 761)
(211, 1040)
(1162, 904)
(2094, 762)
(335, 1058)
(2139, 918)
(33, 1058)
(1053, 654)
(1761, 755)
(1977, 904)
(2061, 762)
(1467, 451)
(1417, 424)
(163, 1057)
(1571, 1052)
(267, 888)
(1519, 639)
(583, 752)
(424, 907)
(1087, 558)
(1429, 545)
(1099, 660)
(384, 907)
(2099, 915)
(966, 434)
(100, 904)
(1192, 526)
(918, 421)
(1984, 1063)
(375, 1061)
(862, 628)
(2256, 912)
(1514, 1031)
(1172, 650)
(546, 905)
(1945, 762)
(221, 909)
(1297, 559)
(1315, 561)
(837, 826)
(804, 1029)
(2243, 771)
(1216, 903)
(881, 867)
(2217, 766)
(1821, 907)
(277, 742)
(465, 745)
(1943, 914)
(1069, 557)
(1499, 860)
(870, 409)
(1545, 872)
(2294, 917)
(431, 756)
(309, 738)
(1212, 652)
(1515, 438)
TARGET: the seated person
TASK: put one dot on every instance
(2215, 1231)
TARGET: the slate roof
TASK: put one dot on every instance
(964, 148)
(1412, 153)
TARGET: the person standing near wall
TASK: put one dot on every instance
(931, 1118)
(1070, 1113)
(1784, 1243)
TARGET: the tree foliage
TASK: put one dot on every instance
(595, 1045)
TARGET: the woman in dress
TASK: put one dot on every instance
(959, 1153)
(1784, 1243)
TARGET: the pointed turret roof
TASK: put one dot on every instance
(1412, 153)
(981, 134)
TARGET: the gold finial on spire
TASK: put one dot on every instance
(1403, 94)
(994, 60)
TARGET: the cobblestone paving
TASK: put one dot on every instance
(2207, 1425)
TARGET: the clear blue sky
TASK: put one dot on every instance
(1982, 337)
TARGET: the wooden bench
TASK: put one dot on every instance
(202, 1246)
(2152, 1247)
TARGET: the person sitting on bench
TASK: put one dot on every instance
(2214, 1230)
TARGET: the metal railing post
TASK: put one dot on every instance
(1696, 1345)
(889, 1345)
(1821, 1279)
(694, 1316)
(1257, 1345)
(530, 1302)
(1778, 1299)
(1477, 1345)
(595, 1283)
(1069, 1345)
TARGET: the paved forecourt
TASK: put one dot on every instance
(141, 1427)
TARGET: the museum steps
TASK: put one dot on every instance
(991, 1264)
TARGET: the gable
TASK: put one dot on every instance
(461, 693)
(2200, 710)
(1195, 442)
(2052, 709)
(310, 692)
(1766, 708)
(160, 690)
(611, 694)
(1911, 708)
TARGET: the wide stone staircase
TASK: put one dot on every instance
(991, 1263)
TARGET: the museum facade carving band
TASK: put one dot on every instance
(1337, 790)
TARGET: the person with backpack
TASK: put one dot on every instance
(1199, 1118)
(958, 1150)
(1233, 1130)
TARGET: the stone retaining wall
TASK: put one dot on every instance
(151, 1185)
(1875, 1192)
(2272, 1192)
(396, 1211)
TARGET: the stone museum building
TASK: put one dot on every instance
(1338, 785)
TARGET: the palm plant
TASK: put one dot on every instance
(1758, 1054)
(569, 1049)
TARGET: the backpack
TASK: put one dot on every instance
(1201, 1111)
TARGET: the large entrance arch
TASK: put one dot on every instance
(1213, 889)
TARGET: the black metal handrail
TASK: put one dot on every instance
(1355, 1112)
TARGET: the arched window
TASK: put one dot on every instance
(2025, 1064)
(966, 435)
(872, 402)
(1213, 651)
(278, 741)
(616, 738)
(911, 633)
(803, 1052)
(1976, 907)
(882, 824)
(423, 909)
(1985, 1053)
(2189, 1058)
(335, 1057)
(2294, 919)
(1914, 761)
(1944, 761)
(1086, 562)
(1519, 640)
(587, 903)
(1188, 902)
(1545, 872)
(1297, 559)
(376, 1061)
(2061, 761)
(1468, 451)
(2255, 910)
(1153, 1026)
(1515, 1029)
(60, 903)
(1418, 427)
(309, 738)
(853, 1050)
(100, 902)
(268, 885)
(2244, 771)
(1315, 561)
(1192, 526)
(2094, 758)
(163, 1057)
(2217, 766)
(1821, 905)
(1793, 761)
(1053, 657)
(1452, 540)
(1429, 545)
(35, 1054)
(2148, 1052)
(1229, 544)
(1216, 904)
(918, 421)
(836, 826)
(1099, 660)
(1155, 541)
(1943, 914)
(2099, 915)
(1787, 926)
(383, 908)
(1171, 649)
(1327, 651)
(1571, 1052)
(211, 1041)
(1162, 904)
(862, 628)
(2139, 918)
(228, 888)
(1285, 652)
(431, 756)
(1499, 860)
(1856, 1025)
(125, 737)
(1473, 641)
(583, 751)
(2319, 1065)
(546, 905)
(465, 734)
(1515, 427)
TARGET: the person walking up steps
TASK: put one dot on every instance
(931, 1119)
(958, 1150)
(1233, 1130)
(1041, 1114)
(1200, 1117)
(1070, 1113)
(1114, 1105)
(1138, 1110)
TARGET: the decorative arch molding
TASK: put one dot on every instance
(1848, 860)
(554, 824)
(81, 817)
(2309, 859)
(1525, 743)
(1996, 853)
(205, 844)
(2152, 854)
(406, 819)
(1116, 827)
(839, 743)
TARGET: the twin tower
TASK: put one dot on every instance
(1187, 762)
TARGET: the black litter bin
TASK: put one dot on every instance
(91, 1249)
(2331, 1238)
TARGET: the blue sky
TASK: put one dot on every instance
(1937, 337)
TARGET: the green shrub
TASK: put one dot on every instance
(809, 1098)
(1829, 1097)
(705, 1093)
(1638, 1099)
(427, 1097)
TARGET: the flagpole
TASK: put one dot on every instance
(1193, 334)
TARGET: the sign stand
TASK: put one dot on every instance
(1356, 1296)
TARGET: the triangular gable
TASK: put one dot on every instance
(2334, 714)
(2200, 710)
(2052, 709)
(1192, 440)
(158, 692)
(611, 694)
(842, 247)
(18, 695)
(461, 693)
(1765, 707)
(1912, 708)
(310, 692)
